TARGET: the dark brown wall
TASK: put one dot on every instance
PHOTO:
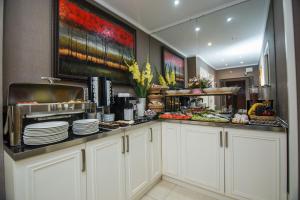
(192, 67)
(281, 68)
(2, 189)
(296, 13)
(269, 39)
(196, 64)
(27, 43)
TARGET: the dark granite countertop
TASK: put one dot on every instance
(24, 151)
(230, 125)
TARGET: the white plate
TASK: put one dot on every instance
(45, 137)
(42, 134)
(86, 121)
(39, 142)
(85, 133)
(84, 128)
(47, 125)
(85, 125)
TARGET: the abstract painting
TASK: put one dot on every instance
(91, 42)
(172, 61)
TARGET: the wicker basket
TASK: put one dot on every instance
(157, 109)
(262, 118)
(154, 91)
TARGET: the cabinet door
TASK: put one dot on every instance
(52, 176)
(155, 151)
(256, 165)
(202, 156)
(137, 161)
(105, 169)
(170, 149)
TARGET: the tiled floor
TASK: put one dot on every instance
(169, 191)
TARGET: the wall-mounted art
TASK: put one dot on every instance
(175, 62)
(90, 42)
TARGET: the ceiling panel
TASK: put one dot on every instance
(155, 14)
(234, 44)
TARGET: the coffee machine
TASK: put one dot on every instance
(124, 106)
(100, 91)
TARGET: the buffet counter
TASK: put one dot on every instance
(24, 151)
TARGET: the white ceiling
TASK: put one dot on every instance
(234, 44)
(152, 15)
(240, 38)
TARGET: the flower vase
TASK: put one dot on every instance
(141, 106)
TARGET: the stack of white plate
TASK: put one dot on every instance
(45, 133)
(85, 126)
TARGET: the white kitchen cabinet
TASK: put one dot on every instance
(137, 161)
(106, 168)
(171, 149)
(155, 152)
(202, 156)
(256, 165)
(57, 175)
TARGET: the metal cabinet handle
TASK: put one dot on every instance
(221, 138)
(151, 135)
(83, 157)
(127, 137)
(123, 144)
(226, 139)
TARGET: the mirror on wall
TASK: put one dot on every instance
(233, 46)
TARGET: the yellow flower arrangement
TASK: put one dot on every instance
(162, 81)
(169, 79)
(143, 79)
(135, 71)
(172, 78)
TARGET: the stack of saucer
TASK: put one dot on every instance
(45, 133)
(85, 126)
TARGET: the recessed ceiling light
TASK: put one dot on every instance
(209, 44)
(242, 62)
(176, 2)
(197, 29)
(229, 19)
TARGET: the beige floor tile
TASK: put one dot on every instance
(161, 190)
(147, 198)
(180, 193)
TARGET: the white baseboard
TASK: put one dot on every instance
(143, 192)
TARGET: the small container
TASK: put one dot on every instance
(128, 111)
(265, 93)
(108, 117)
(128, 114)
(91, 115)
(254, 93)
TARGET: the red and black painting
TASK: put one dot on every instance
(174, 62)
(91, 42)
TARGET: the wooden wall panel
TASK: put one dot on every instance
(281, 67)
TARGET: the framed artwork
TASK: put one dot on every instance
(90, 42)
(172, 61)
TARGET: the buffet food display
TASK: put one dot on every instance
(260, 113)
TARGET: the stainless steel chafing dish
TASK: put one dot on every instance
(31, 103)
